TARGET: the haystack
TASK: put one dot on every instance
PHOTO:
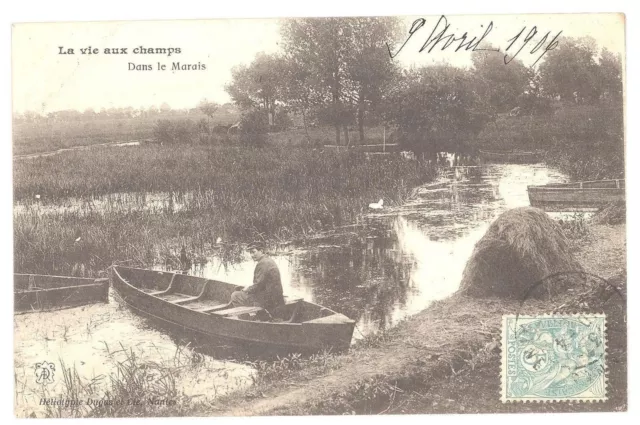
(520, 248)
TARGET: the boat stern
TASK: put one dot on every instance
(333, 332)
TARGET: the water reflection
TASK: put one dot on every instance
(93, 340)
(396, 262)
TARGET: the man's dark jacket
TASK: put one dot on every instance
(267, 288)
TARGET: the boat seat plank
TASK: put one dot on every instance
(174, 296)
(203, 303)
(186, 300)
(235, 311)
(211, 308)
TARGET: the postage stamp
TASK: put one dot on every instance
(554, 358)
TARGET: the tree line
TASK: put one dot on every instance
(204, 107)
(338, 72)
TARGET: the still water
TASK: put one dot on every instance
(396, 261)
(391, 264)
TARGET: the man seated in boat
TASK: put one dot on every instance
(266, 291)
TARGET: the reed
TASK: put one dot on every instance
(103, 197)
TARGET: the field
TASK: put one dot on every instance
(236, 194)
(48, 134)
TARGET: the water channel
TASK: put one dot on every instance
(391, 264)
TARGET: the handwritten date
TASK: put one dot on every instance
(440, 36)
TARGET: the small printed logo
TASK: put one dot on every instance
(45, 372)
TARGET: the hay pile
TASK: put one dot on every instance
(520, 248)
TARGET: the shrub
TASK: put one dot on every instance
(163, 131)
(282, 122)
(254, 125)
(178, 132)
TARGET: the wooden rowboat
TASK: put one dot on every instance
(579, 196)
(513, 157)
(34, 292)
(201, 306)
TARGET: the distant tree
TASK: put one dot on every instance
(533, 101)
(301, 93)
(610, 75)
(258, 85)
(346, 60)
(369, 66)
(163, 131)
(208, 108)
(165, 108)
(435, 108)
(499, 85)
(570, 71)
(31, 116)
(322, 46)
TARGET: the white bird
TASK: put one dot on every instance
(37, 196)
(219, 240)
(78, 238)
(377, 206)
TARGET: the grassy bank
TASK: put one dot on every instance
(585, 141)
(228, 193)
(446, 359)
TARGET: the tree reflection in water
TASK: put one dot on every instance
(367, 280)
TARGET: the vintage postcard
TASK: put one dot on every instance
(314, 216)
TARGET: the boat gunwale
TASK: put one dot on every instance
(233, 318)
(571, 185)
(29, 291)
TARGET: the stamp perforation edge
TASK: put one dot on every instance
(587, 395)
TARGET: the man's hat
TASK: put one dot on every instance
(256, 245)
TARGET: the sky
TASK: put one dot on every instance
(44, 80)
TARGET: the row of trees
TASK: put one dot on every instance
(333, 70)
(205, 107)
(338, 71)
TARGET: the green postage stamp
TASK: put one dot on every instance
(554, 358)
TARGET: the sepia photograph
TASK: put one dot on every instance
(295, 216)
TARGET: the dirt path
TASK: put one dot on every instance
(442, 355)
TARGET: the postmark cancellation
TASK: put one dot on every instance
(549, 358)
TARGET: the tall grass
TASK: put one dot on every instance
(236, 194)
(583, 141)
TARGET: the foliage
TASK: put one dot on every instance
(254, 126)
(175, 132)
(163, 131)
(611, 75)
(574, 227)
(571, 72)
(282, 121)
(346, 61)
(208, 108)
(499, 85)
(436, 108)
(259, 85)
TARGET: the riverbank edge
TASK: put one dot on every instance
(454, 338)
